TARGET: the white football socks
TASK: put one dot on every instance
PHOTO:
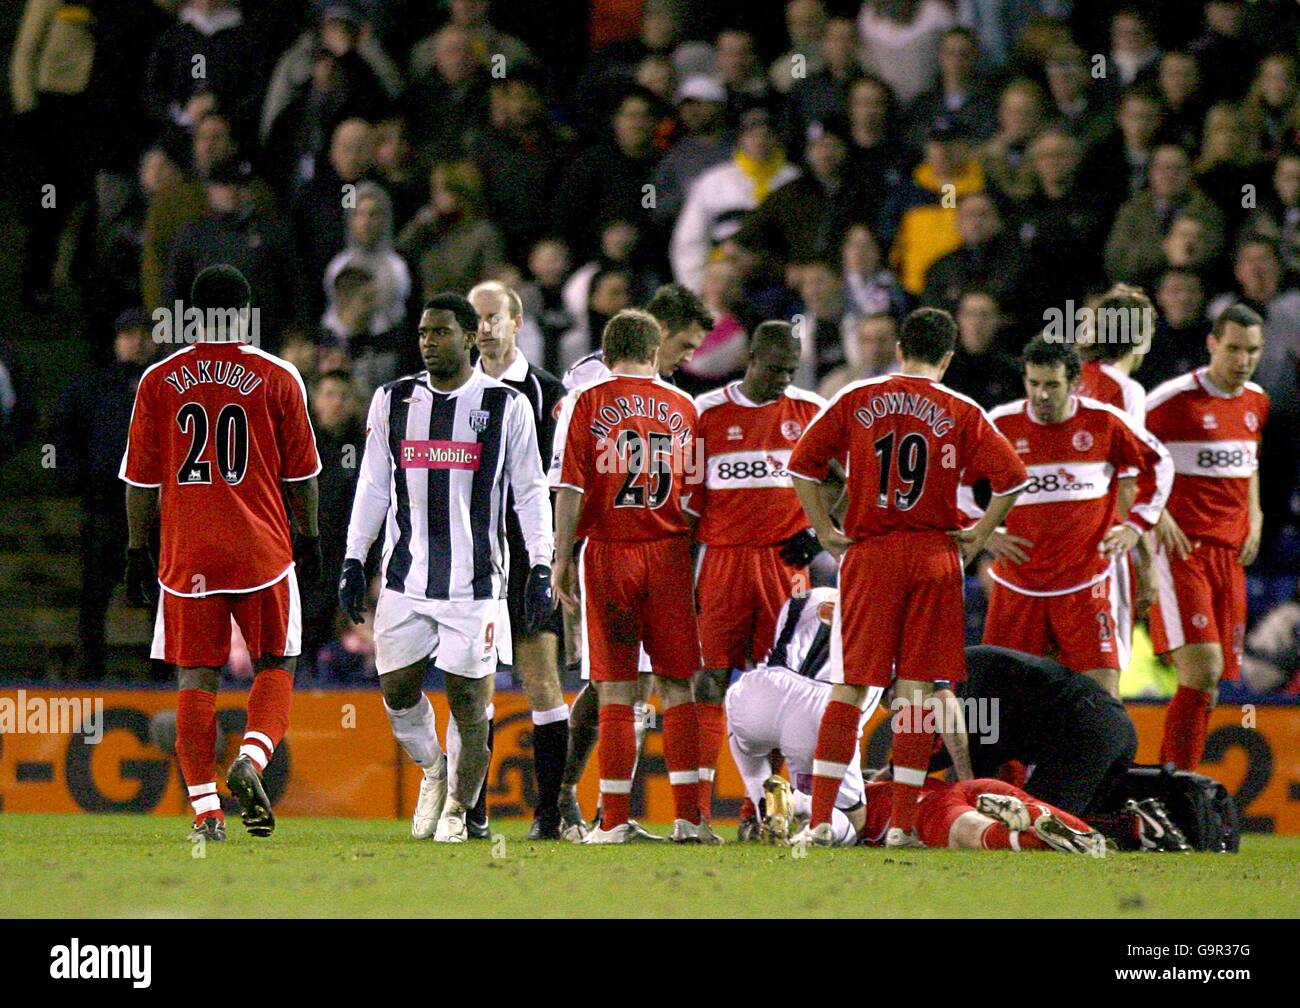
(417, 730)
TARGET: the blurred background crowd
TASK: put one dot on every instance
(836, 160)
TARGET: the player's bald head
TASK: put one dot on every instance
(499, 292)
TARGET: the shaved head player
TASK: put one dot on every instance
(219, 431)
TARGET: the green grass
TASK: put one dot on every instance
(126, 866)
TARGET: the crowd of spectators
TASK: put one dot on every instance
(838, 162)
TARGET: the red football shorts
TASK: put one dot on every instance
(943, 806)
(1080, 630)
(739, 591)
(638, 593)
(195, 632)
(1201, 600)
(900, 606)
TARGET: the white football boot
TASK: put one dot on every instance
(821, 835)
(433, 795)
(628, 832)
(694, 833)
(451, 824)
(901, 838)
(1006, 809)
(1060, 836)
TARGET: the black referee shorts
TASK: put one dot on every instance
(1081, 776)
(518, 581)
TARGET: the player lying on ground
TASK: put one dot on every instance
(983, 814)
(220, 437)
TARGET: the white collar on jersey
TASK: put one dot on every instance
(1207, 383)
(517, 371)
(740, 399)
(1074, 408)
(474, 375)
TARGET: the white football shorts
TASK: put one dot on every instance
(464, 638)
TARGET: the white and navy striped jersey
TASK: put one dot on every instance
(803, 635)
(435, 474)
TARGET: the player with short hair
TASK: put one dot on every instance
(446, 450)
(683, 323)
(500, 314)
(220, 437)
(906, 443)
(755, 544)
(622, 457)
(1052, 577)
(1211, 420)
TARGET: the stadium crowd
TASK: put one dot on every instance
(839, 162)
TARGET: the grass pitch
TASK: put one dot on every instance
(141, 866)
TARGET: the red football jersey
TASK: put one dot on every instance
(1214, 441)
(1107, 383)
(1069, 504)
(747, 497)
(217, 426)
(629, 447)
(906, 444)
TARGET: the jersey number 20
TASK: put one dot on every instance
(232, 443)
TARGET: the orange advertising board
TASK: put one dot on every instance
(340, 759)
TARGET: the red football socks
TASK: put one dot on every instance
(682, 757)
(1186, 722)
(837, 744)
(268, 715)
(196, 749)
(912, 748)
(616, 754)
(998, 837)
(713, 724)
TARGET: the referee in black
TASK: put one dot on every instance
(536, 655)
(1076, 739)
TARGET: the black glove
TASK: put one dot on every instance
(141, 578)
(307, 558)
(538, 599)
(800, 548)
(352, 590)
